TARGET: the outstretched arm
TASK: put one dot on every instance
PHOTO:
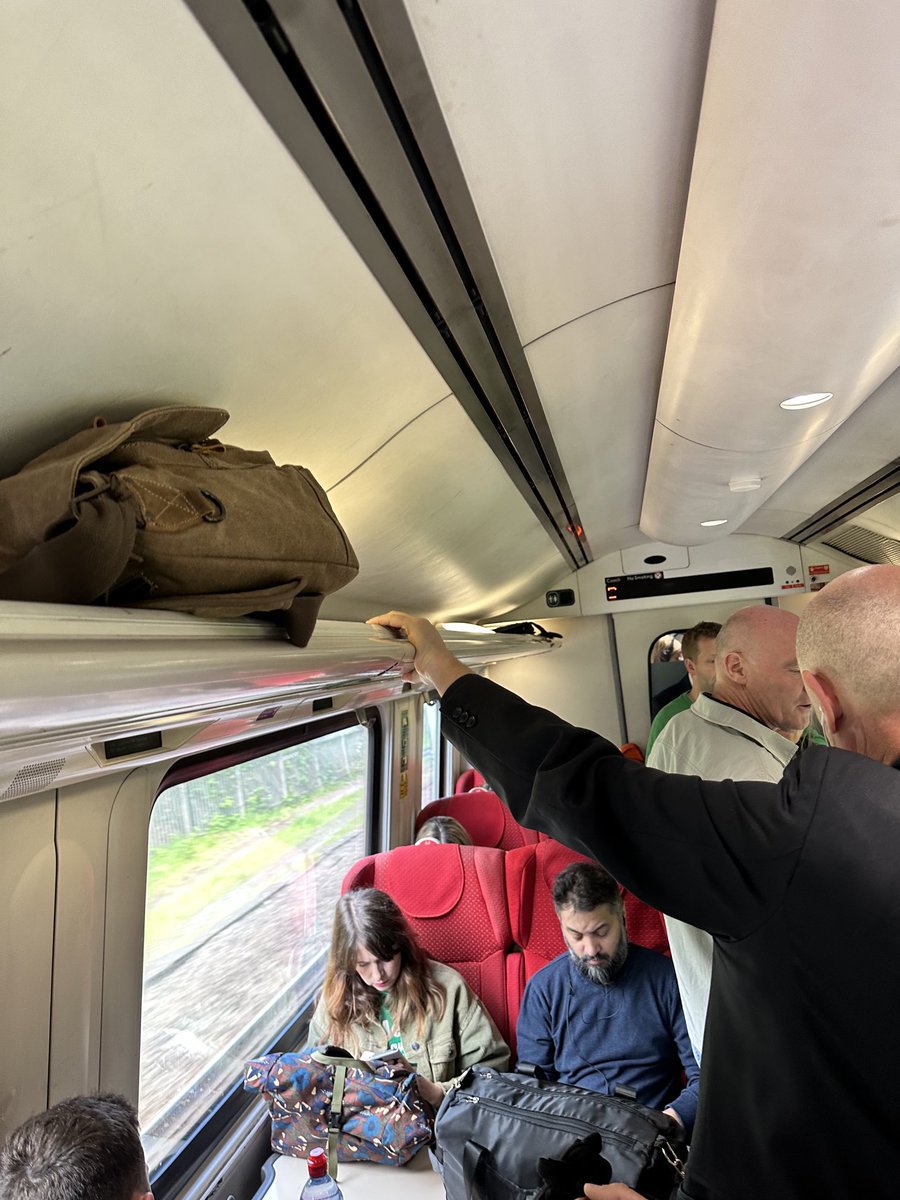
(717, 855)
(434, 663)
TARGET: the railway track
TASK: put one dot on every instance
(221, 1001)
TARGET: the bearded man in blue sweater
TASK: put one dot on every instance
(605, 1014)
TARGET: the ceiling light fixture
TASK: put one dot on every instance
(749, 483)
(722, 521)
(808, 401)
(464, 627)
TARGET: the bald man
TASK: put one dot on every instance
(747, 728)
(797, 879)
(757, 691)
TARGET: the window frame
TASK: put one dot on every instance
(174, 1173)
(431, 702)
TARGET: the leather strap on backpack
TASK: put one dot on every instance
(81, 563)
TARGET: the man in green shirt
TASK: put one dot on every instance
(698, 650)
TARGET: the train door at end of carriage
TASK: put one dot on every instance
(667, 676)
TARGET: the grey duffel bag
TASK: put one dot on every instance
(493, 1129)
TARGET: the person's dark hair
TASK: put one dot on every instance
(690, 640)
(86, 1148)
(368, 917)
(584, 887)
(443, 829)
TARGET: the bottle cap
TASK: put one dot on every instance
(317, 1163)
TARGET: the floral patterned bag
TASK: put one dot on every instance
(322, 1096)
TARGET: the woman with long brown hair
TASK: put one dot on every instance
(382, 993)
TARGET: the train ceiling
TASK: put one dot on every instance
(521, 283)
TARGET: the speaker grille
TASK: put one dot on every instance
(864, 544)
(33, 778)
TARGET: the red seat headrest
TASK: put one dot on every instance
(483, 815)
(406, 871)
(469, 779)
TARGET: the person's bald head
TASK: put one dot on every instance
(848, 645)
(757, 670)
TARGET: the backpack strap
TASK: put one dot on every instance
(300, 618)
(341, 1060)
(81, 563)
(334, 1117)
(474, 1161)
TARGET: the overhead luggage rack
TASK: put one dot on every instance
(76, 681)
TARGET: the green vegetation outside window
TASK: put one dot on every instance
(244, 869)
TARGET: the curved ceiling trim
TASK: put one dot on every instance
(790, 256)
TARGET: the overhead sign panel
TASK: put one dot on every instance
(654, 583)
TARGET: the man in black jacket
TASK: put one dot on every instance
(797, 882)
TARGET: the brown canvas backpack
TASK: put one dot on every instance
(155, 513)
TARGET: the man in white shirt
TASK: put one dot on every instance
(698, 652)
(747, 729)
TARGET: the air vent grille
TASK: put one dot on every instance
(33, 778)
(864, 544)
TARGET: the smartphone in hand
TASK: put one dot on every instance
(389, 1056)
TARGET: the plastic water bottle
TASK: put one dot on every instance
(320, 1185)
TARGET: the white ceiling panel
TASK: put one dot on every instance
(787, 280)
(574, 124)
(598, 378)
(481, 546)
(865, 443)
(162, 244)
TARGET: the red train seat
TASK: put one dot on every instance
(632, 750)
(484, 817)
(646, 925)
(470, 779)
(530, 875)
(454, 898)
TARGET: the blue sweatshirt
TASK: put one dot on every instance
(631, 1032)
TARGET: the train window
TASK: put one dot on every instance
(667, 676)
(431, 753)
(245, 866)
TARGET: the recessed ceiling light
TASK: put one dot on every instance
(808, 401)
(707, 524)
(748, 483)
(464, 627)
